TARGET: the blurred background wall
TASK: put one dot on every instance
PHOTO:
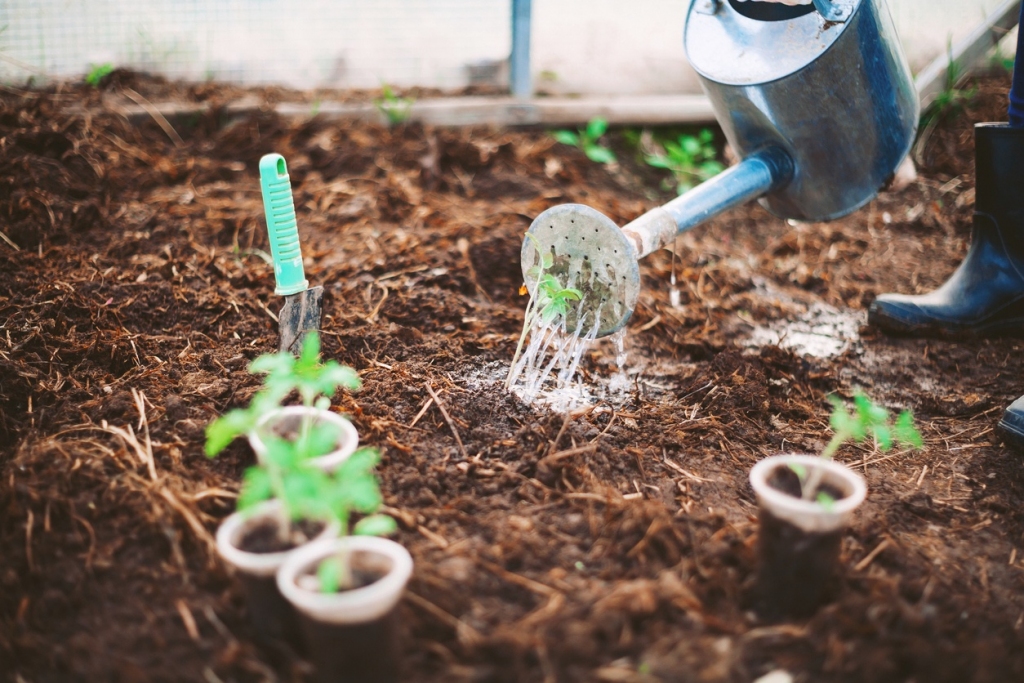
(578, 46)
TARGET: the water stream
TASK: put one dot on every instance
(546, 372)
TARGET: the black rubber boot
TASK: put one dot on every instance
(985, 296)
(1011, 427)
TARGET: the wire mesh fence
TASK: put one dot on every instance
(305, 43)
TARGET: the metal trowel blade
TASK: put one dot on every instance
(300, 314)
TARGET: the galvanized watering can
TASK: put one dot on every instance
(817, 100)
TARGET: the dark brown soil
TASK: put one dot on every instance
(264, 537)
(615, 544)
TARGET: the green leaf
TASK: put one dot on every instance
(683, 184)
(658, 161)
(905, 431)
(273, 363)
(567, 137)
(309, 357)
(570, 293)
(596, 128)
(226, 429)
(328, 574)
(304, 491)
(706, 136)
(709, 169)
(257, 487)
(601, 155)
(689, 145)
(375, 525)
(281, 453)
(826, 501)
(884, 436)
(321, 440)
(799, 470)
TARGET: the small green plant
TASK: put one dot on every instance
(314, 381)
(353, 488)
(394, 108)
(952, 99)
(867, 419)
(307, 492)
(548, 300)
(286, 472)
(692, 159)
(586, 140)
(97, 72)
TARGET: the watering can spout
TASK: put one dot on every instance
(755, 176)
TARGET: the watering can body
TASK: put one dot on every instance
(836, 96)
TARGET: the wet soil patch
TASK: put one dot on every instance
(616, 544)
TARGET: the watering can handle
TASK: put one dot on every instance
(833, 10)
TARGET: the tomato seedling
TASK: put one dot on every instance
(314, 381)
(867, 419)
(586, 140)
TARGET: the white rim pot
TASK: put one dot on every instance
(352, 636)
(272, 617)
(799, 541)
(229, 535)
(354, 606)
(808, 515)
(290, 417)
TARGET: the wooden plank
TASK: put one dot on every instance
(932, 79)
(474, 111)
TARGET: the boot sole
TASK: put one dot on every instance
(1003, 328)
(1011, 435)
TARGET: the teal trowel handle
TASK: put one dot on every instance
(281, 226)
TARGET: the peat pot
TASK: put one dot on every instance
(239, 540)
(799, 540)
(285, 422)
(351, 636)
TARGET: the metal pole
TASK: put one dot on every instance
(520, 80)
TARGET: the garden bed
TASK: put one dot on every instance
(615, 544)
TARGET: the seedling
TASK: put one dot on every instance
(352, 488)
(692, 159)
(952, 99)
(586, 140)
(97, 73)
(315, 382)
(549, 299)
(867, 419)
(395, 109)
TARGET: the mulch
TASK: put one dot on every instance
(614, 543)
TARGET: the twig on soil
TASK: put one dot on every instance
(223, 630)
(529, 584)
(29, 522)
(558, 437)
(463, 246)
(466, 633)
(372, 317)
(9, 241)
(423, 411)
(160, 119)
(448, 419)
(554, 458)
(188, 620)
(870, 557)
(435, 538)
(269, 312)
(190, 518)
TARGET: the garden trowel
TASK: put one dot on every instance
(302, 303)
